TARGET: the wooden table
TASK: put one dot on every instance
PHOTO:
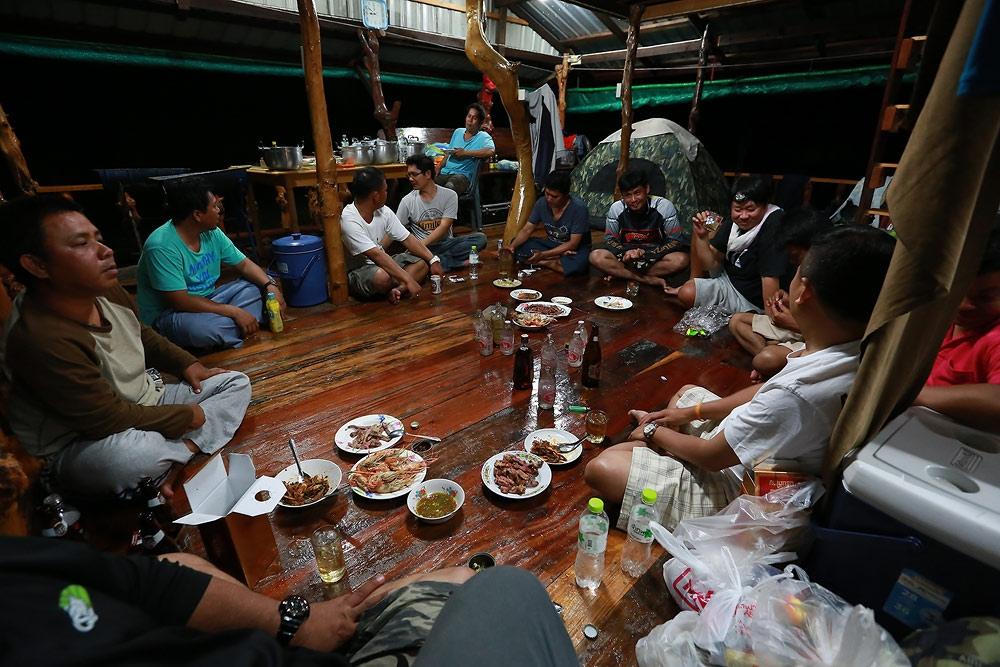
(418, 361)
(285, 182)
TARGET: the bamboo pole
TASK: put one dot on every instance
(695, 114)
(504, 74)
(631, 45)
(326, 165)
(10, 147)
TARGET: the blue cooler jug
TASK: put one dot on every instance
(300, 263)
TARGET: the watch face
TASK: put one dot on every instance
(294, 608)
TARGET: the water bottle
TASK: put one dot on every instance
(590, 545)
(484, 334)
(638, 548)
(474, 263)
(507, 338)
(274, 313)
(547, 375)
(577, 343)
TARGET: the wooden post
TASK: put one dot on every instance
(326, 165)
(504, 74)
(699, 83)
(387, 119)
(562, 75)
(10, 147)
(631, 44)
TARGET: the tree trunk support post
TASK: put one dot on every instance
(631, 45)
(326, 164)
(695, 114)
(386, 118)
(562, 76)
(503, 73)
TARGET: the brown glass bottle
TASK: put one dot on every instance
(592, 359)
(523, 365)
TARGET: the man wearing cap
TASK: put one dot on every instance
(747, 263)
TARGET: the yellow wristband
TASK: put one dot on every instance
(697, 410)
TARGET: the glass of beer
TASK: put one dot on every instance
(597, 426)
(329, 553)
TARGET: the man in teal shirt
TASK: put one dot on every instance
(469, 146)
(180, 264)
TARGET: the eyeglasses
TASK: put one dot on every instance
(413, 174)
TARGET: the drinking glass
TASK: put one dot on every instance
(329, 553)
(597, 426)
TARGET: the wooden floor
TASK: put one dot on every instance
(418, 361)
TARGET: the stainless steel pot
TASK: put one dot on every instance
(282, 158)
(413, 147)
(358, 153)
(384, 152)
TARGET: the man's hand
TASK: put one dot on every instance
(633, 255)
(666, 417)
(333, 623)
(197, 372)
(535, 257)
(197, 417)
(271, 287)
(436, 269)
(247, 323)
(699, 224)
(458, 152)
(783, 317)
(412, 286)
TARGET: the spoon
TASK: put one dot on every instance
(295, 455)
(570, 446)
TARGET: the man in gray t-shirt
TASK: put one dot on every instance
(429, 211)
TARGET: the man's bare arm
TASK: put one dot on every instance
(976, 405)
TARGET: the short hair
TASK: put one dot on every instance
(632, 179)
(421, 162)
(991, 260)
(366, 181)
(798, 228)
(185, 197)
(480, 111)
(21, 231)
(846, 267)
(558, 181)
(755, 187)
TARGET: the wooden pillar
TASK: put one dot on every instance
(699, 83)
(562, 75)
(386, 118)
(504, 74)
(631, 45)
(326, 165)
(10, 148)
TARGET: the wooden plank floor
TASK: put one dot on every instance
(419, 362)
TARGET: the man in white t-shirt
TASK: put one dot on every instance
(788, 418)
(368, 227)
(429, 211)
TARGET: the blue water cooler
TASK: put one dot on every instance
(301, 264)
(913, 530)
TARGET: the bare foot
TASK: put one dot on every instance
(670, 291)
(755, 376)
(655, 281)
(395, 294)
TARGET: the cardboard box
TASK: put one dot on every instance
(232, 518)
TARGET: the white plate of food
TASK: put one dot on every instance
(522, 474)
(549, 452)
(506, 283)
(324, 478)
(562, 300)
(526, 294)
(613, 302)
(389, 473)
(544, 308)
(532, 321)
(364, 435)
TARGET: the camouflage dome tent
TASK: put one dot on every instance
(678, 166)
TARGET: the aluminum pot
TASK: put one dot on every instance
(384, 152)
(282, 158)
(349, 154)
(414, 147)
(364, 153)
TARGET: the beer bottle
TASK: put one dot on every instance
(152, 500)
(592, 359)
(60, 520)
(523, 365)
(151, 536)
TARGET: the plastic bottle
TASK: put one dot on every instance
(523, 365)
(592, 359)
(474, 263)
(507, 338)
(274, 313)
(484, 333)
(577, 343)
(637, 550)
(547, 375)
(592, 541)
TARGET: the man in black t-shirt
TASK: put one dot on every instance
(745, 261)
(68, 604)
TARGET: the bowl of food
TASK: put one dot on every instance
(321, 481)
(532, 320)
(435, 500)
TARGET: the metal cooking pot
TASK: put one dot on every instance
(413, 147)
(384, 152)
(282, 158)
(365, 153)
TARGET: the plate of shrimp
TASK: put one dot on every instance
(389, 473)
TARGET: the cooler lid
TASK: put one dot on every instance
(298, 242)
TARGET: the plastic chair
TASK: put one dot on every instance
(471, 198)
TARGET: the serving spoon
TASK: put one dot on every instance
(295, 455)
(570, 446)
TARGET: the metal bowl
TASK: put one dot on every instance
(282, 158)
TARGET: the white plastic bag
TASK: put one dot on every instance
(670, 644)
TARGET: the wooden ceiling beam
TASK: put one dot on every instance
(685, 7)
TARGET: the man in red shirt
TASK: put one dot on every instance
(965, 380)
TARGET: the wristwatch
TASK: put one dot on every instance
(648, 430)
(434, 260)
(293, 611)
